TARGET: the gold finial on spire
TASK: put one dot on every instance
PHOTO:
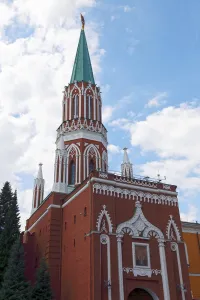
(83, 22)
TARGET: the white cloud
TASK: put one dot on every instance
(6, 14)
(158, 100)
(131, 114)
(172, 135)
(105, 88)
(107, 113)
(191, 215)
(49, 12)
(114, 17)
(113, 149)
(127, 8)
(33, 72)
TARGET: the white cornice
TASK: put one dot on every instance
(83, 134)
(102, 181)
(133, 187)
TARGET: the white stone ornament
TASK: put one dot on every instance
(171, 228)
(101, 226)
(138, 226)
(110, 190)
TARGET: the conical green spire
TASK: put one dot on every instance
(82, 70)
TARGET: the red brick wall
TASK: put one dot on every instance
(78, 270)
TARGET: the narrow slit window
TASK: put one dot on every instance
(85, 211)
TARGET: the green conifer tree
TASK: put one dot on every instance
(10, 229)
(15, 286)
(42, 289)
(5, 199)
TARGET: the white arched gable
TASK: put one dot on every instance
(74, 88)
(86, 153)
(100, 226)
(89, 87)
(138, 226)
(70, 102)
(77, 156)
(76, 149)
(169, 232)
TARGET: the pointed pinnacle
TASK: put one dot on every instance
(40, 175)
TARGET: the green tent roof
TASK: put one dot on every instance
(82, 70)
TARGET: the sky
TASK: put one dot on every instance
(145, 57)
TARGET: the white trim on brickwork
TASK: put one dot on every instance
(134, 187)
(138, 226)
(44, 214)
(83, 134)
(57, 206)
(105, 240)
(175, 248)
(103, 213)
(110, 190)
(169, 231)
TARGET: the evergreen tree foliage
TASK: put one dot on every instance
(5, 199)
(10, 226)
(14, 286)
(42, 288)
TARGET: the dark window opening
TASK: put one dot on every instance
(91, 166)
(36, 260)
(75, 219)
(65, 225)
(74, 242)
(72, 173)
(85, 211)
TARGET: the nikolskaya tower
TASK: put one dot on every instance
(81, 138)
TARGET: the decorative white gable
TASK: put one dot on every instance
(139, 226)
(171, 229)
(101, 224)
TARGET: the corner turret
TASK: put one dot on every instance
(126, 166)
(38, 190)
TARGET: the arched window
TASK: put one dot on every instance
(89, 107)
(72, 173)
(75, 112)
(91, 166)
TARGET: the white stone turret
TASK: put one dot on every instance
(126, 166)
(60, 184)
(38, 190)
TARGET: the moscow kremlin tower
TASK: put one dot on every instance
(105, 236)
